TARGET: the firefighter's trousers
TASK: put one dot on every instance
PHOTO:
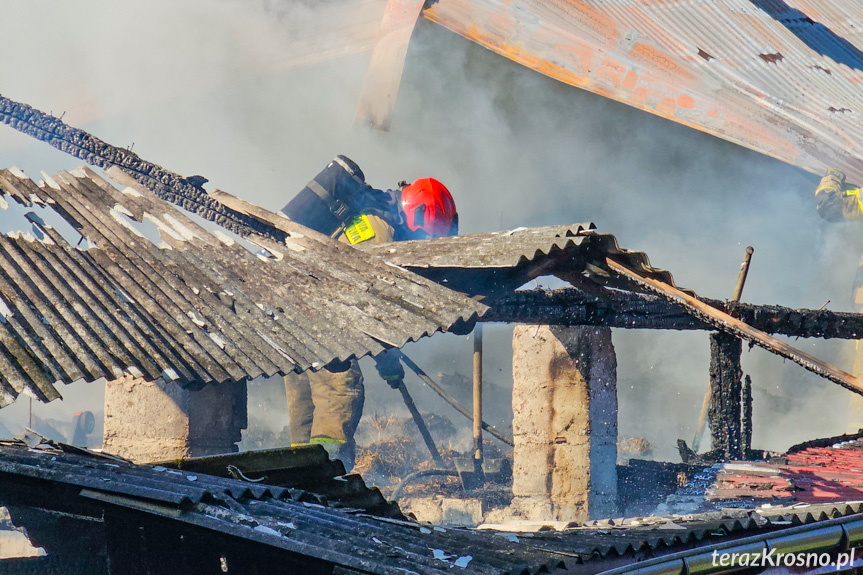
(325, 406)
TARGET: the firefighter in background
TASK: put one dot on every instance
(325, 406)
(837, 201)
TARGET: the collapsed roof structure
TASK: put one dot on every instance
(197, 307)
(200, 308)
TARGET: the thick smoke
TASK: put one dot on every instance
(258, 96)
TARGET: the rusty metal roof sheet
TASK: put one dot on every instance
(481, 264)
(812, 475)
(199, 307)
(778, 76)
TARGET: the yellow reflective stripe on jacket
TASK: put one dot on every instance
(359, 230)
(856, 192)
(326, 441)
(383, 231)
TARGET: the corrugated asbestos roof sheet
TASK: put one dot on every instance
(278, 517)
(781, 77)
(288, 519)
(614, 537)
(507, 259)
(815, 474)
(199, 306)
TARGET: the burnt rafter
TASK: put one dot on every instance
(571, 306)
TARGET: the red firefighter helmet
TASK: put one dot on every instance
(428, 206)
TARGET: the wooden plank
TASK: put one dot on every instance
(384, 75)
(724, 322)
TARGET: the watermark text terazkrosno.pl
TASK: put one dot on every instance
(773, 558)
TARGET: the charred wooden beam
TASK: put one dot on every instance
(570, 306)
(746, 417)
(726, 390)
(166, 184)
(825, 442)
(733, 326)
(573, 307)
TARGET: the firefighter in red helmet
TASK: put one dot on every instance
(429, 209)
(325, 406)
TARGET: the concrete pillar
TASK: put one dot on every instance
(564, 404)
(149, 421)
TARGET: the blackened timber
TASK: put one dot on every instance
(167, 185)
(570, 306)
(726, 391)
(733, 326)
(746, 417)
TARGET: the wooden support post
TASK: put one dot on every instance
(726, 395)
(746, 423)
(384, 75)
(738, 291)
(477, 399)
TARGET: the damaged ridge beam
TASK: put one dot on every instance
(572, 307)
(167, 185)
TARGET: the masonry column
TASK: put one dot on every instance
(149, 421)
(564, 405)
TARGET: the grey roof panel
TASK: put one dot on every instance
(286, 519)
(499, 261)
(198, 306)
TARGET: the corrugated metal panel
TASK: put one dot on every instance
(199, 307)
(273, 516)
(813, 475)
(782, 78)
(624, 536)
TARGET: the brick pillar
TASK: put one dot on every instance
(564, 404)
(155, 420)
